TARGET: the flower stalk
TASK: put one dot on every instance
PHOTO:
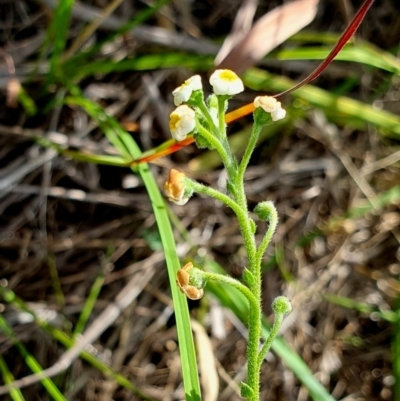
(207, 121)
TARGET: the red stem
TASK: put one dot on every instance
(344, 38)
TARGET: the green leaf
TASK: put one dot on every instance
(123, 141)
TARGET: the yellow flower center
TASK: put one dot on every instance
(174, 121)
(228, 75)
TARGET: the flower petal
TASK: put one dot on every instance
(181, 122)
(226, 82)
(182, 93)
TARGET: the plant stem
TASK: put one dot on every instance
(249, 150)
(216, 144)
(234, 283)
(272, 335)
(273, 222)
(239, 210)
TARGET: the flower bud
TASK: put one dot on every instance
(190, 281)
(265, 211)
(270, 105)
(183, 93)
(182, 121)
(175, 187)
(226, 82)
(281, 305)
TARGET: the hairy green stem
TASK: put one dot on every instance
(204, 109)
(215, 144)
(220, 278)
(272, 335)
(273, 222)
(251, 144)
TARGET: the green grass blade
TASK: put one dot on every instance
(143, 62)
(338, 106)
(234, 300)
(8, 378)
(58, 32)
(31, 362)
(361, 53)
(128, 149)
(79, 60)
(361, 307)
(396, 352)
(58, 335)
(89, 303)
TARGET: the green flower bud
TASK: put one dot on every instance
(281, 305)
(248, 277)
(265, 211)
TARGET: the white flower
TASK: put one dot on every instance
(175, 187)
(182, 93)
(270, 105)
(182, 122)
(278, 114)
(226, 82)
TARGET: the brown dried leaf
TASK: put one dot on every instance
(268, 32)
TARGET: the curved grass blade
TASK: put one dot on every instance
(8, 378)
(31, 362)
(57, 34)
(338, 106)
(363, 53)
(123, 141)
(58, 335)
(344, 38)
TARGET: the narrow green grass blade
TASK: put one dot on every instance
(361, 307)
(79, 60)
(396, 352)
(55, 281)
(128, 149)
(388, 123)
(8, 378)
(83, 157)
(143, 62)
(361, 53)
(58, 335)
(27, 102)
(234, 300)
(58, 32)
(89, 303)
(31, 362)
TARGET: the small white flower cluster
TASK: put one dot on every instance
(270, 105)
(182, 119)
